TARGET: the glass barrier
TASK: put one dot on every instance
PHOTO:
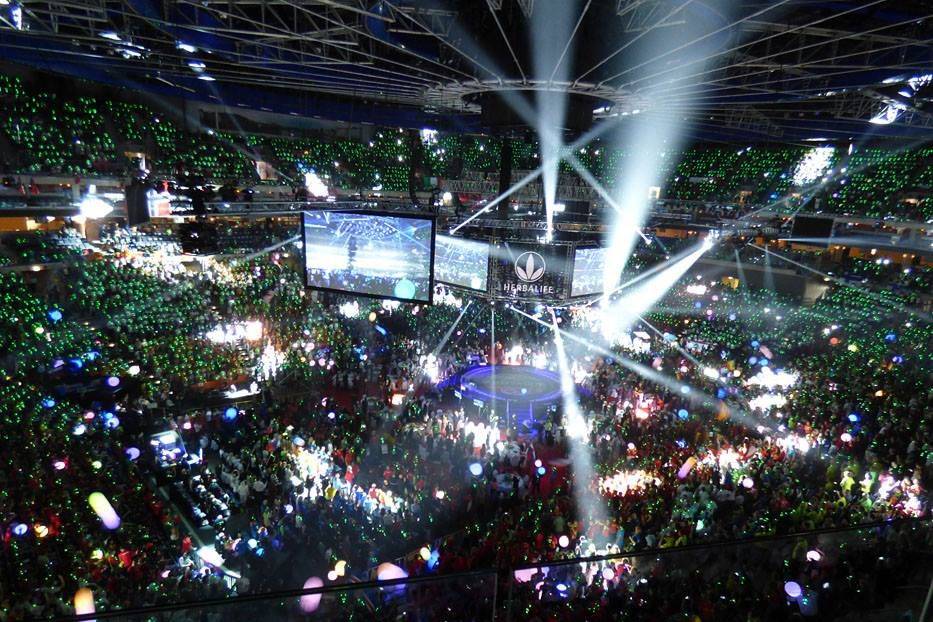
(824, 575)
(881, 571)
(461, 597)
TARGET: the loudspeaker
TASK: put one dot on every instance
(505, 176)
(137, 205)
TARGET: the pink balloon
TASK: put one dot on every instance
(687, 467)
(310, 602)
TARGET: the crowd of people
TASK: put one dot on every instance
(320, 442)
(47, 132)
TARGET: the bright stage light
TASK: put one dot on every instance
(94, 208)
(618, 315)
(577, 430)
(315, 186)
(209, 555)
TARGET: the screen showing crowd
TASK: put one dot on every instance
(588, 266)
(464, 263)
(378, 255)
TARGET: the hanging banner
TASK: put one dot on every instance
(531, 271)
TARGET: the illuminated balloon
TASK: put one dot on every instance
(388, 572)
(792, 589)
(310, 602)
(425, 553)
(405, 289)
(84, 601)
(563, 541)
(686, 468)
(101, 506)
(340, 568)
(476, 469)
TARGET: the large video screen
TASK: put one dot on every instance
(464, 263)
(370, 254)
(588, 266)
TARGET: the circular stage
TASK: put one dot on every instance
(524, 393)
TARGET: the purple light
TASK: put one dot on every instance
(112, 381)
(792, 589)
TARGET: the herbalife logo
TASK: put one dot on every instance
(530, 267)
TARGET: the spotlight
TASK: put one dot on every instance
(93, 208)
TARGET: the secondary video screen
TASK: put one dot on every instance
(378, 255)
(464, 263)
(588, 271)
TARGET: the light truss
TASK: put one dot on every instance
(831, 60)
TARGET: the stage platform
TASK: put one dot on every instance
(520, 395)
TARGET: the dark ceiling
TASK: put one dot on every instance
(756, 70)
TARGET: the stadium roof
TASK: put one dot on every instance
(754, 69)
